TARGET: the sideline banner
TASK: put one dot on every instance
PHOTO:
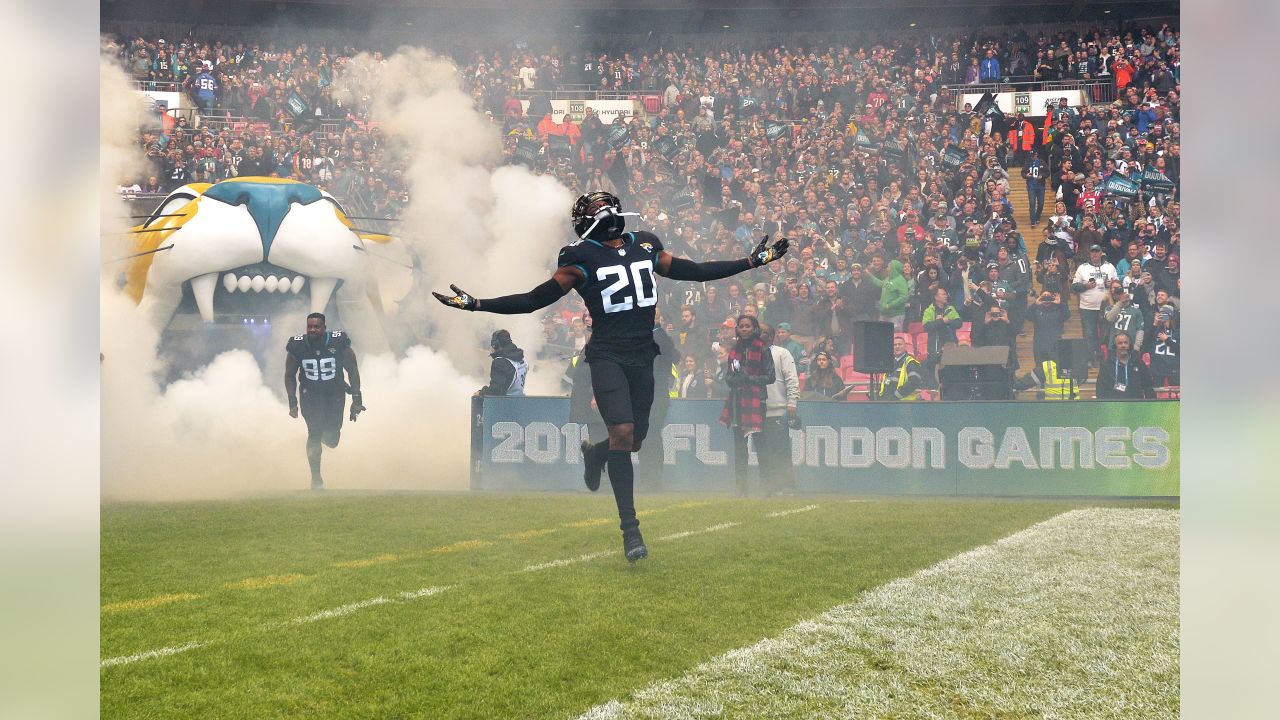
(1094, 448)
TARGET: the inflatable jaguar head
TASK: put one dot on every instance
(259, 245)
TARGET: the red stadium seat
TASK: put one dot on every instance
(964, 337)
(652, 104)
(915, 328)
(922, 345)
(861, 380)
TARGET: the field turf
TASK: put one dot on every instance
(335, 605)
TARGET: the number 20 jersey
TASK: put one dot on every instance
(320, 365)
(620, 290)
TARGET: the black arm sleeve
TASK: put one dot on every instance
(685, 269)
(536, 299)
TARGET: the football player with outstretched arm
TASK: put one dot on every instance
(616, 272)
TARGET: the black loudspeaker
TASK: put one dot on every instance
(975, 373)
(1073, 359)
(873, 347)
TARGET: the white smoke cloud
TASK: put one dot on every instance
(224, 430)
(489, 231)
(120, 157)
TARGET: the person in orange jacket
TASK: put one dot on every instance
(1022, 139)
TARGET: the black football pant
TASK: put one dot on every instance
(624, 394)
(323, 415)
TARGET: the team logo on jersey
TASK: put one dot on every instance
(648, 247)
(622, 251)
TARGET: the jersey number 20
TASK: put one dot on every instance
(322, 369)
(639, 275)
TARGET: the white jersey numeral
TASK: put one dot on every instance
(638, 275)
(320, 369)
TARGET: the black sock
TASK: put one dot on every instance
(622, 478)
(313, 456)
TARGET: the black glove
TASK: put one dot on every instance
(763, 255)
(461, 299)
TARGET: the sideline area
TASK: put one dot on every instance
(1076, 617)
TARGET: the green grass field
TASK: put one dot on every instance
(496, 606)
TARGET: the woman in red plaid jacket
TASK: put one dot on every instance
(747, 371)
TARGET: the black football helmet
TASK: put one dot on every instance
(590, 223)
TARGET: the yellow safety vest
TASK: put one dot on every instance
(902, 380)
(1056, 387)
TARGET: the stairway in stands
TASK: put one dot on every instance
(1032, 235)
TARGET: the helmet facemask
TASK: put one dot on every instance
(598, 216)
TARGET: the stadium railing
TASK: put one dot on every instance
(157, 85)
(1097, 91)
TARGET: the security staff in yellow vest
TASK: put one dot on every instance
(903, 383)
(1046, 377)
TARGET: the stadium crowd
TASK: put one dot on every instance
(897, 203)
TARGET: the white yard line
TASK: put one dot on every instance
(568, 561)
(338, 611)
(148, 655)
(784, 513)
(341, 610)
(687, 533)
(349, 608)
(1075, 617)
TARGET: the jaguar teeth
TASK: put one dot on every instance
(202, 288)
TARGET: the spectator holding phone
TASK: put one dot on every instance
(1090, 283)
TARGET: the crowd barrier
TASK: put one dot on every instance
(1086, 448)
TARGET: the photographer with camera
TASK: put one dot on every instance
(994, 329)
(911, 232)
(1048, 317)
(1124, 315)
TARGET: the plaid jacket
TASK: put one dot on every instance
(748, 371)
